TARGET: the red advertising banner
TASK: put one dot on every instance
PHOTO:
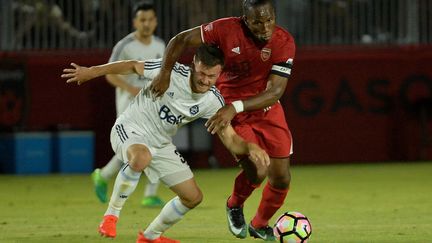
(342, 105)
(13, 93)
(345, 105)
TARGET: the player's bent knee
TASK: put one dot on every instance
(281, 182)
(139, 157)
(192, 200)
(259, 176)
(255, 173)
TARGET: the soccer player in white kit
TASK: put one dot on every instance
(138, 45)
(141, 136)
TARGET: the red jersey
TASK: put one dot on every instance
(248, 63)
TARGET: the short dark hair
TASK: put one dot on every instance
(247, 4)
(143, 6)
(209, 55)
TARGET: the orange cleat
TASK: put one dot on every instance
(142, 239)
(108, 226)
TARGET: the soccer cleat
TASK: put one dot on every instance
(265, 233)
(143, 239)
(100, 186)
(236, 221)
(108, 226)
(152, 201)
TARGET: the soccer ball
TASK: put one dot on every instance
(292, 227)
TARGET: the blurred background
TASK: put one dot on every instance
(361, 88)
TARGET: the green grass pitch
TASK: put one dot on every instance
(385, 202)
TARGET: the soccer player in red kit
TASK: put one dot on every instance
(258, 60)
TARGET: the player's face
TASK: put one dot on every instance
(203, 77)
(145, 22)
(261, 21)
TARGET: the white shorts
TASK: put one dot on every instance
(167, 164)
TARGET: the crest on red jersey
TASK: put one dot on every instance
(265, 54)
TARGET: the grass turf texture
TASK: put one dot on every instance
(345, 203)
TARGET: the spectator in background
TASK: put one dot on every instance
(138, 45)
(42, 16)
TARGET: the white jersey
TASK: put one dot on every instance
(159, 119)
(130, 48)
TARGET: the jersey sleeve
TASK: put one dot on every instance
(211, 32)
(284, 59)
(216, 102)
(152, 68)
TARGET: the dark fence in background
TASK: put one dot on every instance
(99, 24)
(358, 22)
(83, 24)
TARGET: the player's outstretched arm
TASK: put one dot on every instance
(237, 145)
(80, 74)
(175, 47)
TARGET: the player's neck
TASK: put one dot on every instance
(143, 39)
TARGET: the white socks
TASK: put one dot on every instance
(125, 183)
(170, 214)
(112, 168)
(151, 189)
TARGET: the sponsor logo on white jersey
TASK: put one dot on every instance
(166, 115)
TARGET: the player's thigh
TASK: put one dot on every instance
(189, 192)
(168, 166)
(127, 144)
(279, 174)
(273, 134)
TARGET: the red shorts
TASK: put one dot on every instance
(268, 129)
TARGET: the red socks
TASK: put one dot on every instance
(272, 199)
(243, 188)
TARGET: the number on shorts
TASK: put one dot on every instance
(181, 156)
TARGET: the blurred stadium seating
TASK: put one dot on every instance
(361, 88)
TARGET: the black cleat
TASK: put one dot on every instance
(265, 233)
(236, 222)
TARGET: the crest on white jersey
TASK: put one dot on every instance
(194, 110)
